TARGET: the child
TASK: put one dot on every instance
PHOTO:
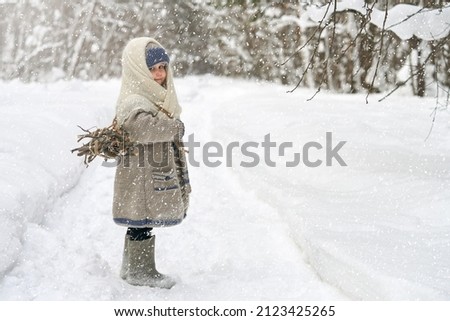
(151, 189)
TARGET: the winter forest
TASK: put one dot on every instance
(368, 80)
(347, 49)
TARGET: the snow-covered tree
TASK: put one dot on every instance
(346, 46)
(377, 45)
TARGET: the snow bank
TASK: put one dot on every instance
(38, 127)
(232, 246)
(376, 229)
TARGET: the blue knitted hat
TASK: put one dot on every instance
(155, 55)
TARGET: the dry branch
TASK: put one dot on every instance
(109, 142)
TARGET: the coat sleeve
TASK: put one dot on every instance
(144, 127)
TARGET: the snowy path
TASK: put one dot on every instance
(224, 251)
(232, 246)
(375, 229)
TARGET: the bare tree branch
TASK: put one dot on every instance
(434, 112)
(330, 48)
(407, 18)
(366, 20)
(423, 9)
(383, 30)
(377, 47)
(438, 45)
(316, 46)
(312, 36)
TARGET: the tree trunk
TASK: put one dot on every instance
(80, 41)
(420, 74)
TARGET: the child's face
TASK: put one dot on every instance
(159, 72)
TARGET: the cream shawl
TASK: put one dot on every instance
(139, 90)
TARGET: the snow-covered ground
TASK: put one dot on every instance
(376, 229)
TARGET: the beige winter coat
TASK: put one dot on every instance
(151, 189)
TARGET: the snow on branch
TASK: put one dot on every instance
(404, 20)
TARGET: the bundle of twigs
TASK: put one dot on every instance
(108, 142)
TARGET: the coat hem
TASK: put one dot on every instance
(146, 222)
